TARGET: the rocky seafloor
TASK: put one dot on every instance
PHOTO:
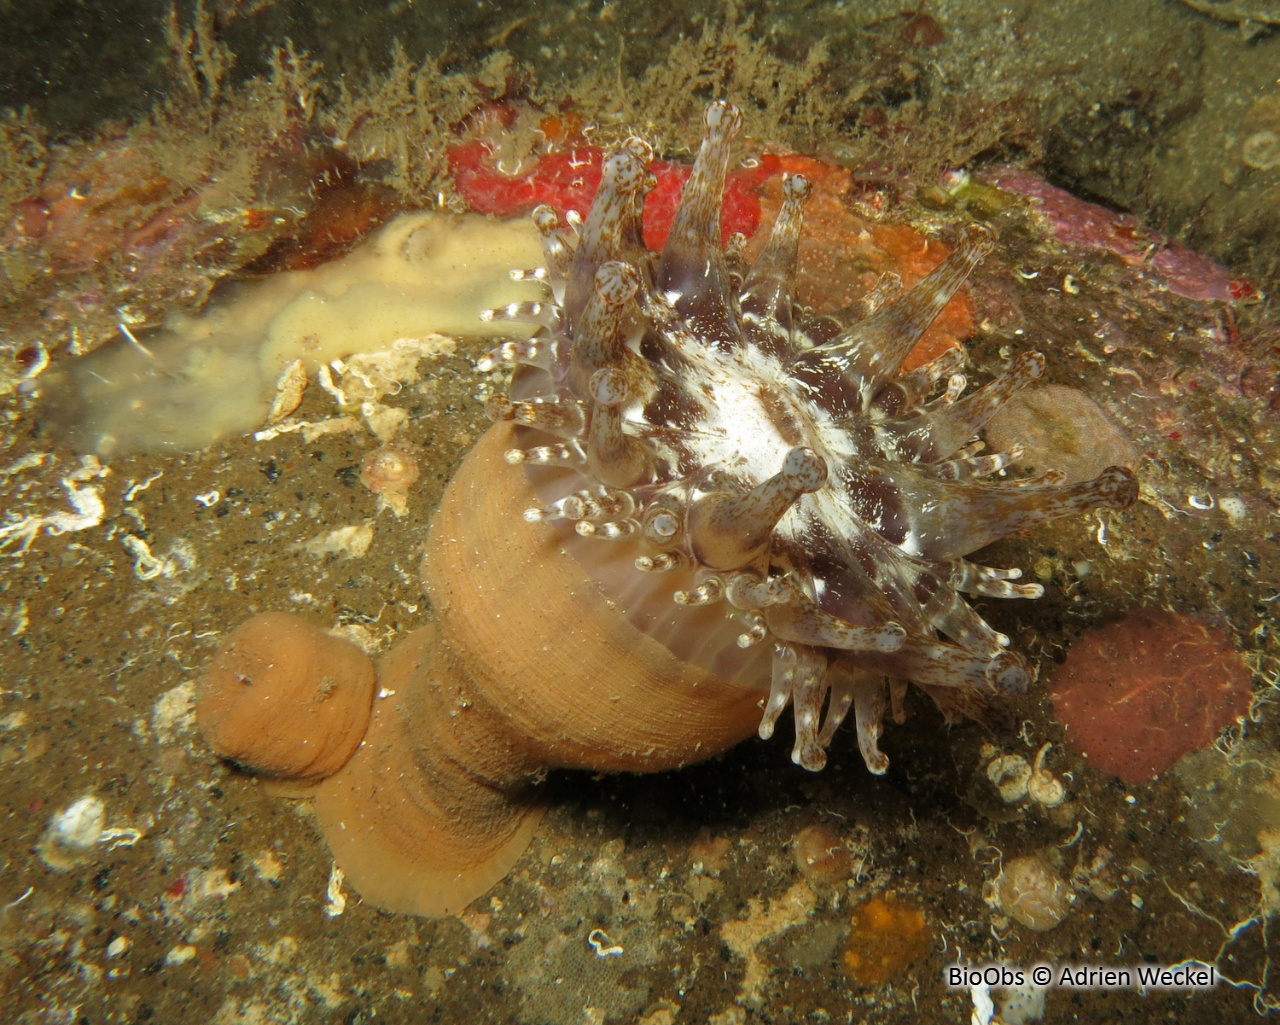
(144, 880)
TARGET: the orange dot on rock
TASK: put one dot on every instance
(889, 936)
(389, 468)
(284, 699)
(822, 857)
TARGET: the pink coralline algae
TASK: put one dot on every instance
(1138, 694)
(1076, 222)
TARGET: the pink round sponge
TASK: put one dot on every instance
(1136, 695)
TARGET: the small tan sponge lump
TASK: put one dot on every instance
(284, 699)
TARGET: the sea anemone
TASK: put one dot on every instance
(704, 442)
(700, 503)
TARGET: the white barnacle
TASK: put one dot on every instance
(1032, 893)
(1010, 775)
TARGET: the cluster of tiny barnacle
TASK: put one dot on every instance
(777, 462)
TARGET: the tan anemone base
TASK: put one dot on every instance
(558, 662)
(529, 668)
(409, 837)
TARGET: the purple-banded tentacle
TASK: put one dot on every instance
(869, 701)
(858, 363)
(935, 434)
(971, 578)
(613, 229)
(555, 416)
(618, 459)
(768, 291)
(558, 242)
(953, 518)
(529, 352)
(545, 314)
(825, 328)
(910, 388)
(693, 270)
(729, 531)
(609, 330)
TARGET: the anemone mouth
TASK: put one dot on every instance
(764, 491)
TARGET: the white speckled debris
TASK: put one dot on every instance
(86, 504)
(335, 900)
(75, 832)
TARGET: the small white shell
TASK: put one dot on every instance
(72, 833)
(290, 387)
(1010, 775)
(1261, 150)
(1032, 893)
